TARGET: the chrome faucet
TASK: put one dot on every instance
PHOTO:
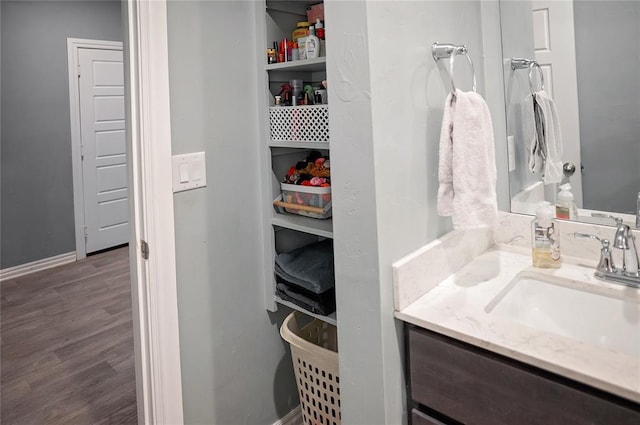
(625, 240)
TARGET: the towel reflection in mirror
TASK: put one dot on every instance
(545, 146)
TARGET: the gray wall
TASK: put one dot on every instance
(517, 28)
(387, 96)
(608, 63)
(36, 178)
(235, 367)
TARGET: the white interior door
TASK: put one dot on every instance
(104, 159)
(554, 42)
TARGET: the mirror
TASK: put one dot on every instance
(589, 56)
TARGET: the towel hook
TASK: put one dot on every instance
(443, 51)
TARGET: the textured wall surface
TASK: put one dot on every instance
(235, 367)
(387, 96)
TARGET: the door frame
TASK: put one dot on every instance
(153, 279)
(73, 52)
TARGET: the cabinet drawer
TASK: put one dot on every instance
(478, 387)
(419, 418)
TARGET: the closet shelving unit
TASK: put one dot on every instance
(282, 232)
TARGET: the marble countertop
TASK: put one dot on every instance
(457, 307)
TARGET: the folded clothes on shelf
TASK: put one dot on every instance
(324, 303)
(305, 277)
(309, 267)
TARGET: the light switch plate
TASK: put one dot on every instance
(189, 171)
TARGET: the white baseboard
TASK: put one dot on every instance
(36, 266)
(292, 418)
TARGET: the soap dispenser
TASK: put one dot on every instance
(545, 239)
(565, 206)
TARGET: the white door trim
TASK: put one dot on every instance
(73, 46)
(155, 303)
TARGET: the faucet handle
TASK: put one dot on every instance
(606, 260)
(590, 236)
(618, 220)
(601, 215)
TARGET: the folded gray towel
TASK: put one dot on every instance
(324, 304)
(310, 267)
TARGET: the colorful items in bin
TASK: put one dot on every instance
(314, 171)
(308, 199)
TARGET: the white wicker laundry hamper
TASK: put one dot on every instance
(314, 352)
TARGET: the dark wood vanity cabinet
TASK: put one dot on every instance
(421, 418)
(451, 382)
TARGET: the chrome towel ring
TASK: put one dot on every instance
(443, 51)
(521, 63)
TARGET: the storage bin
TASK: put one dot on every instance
(314, 352)
(311, 196)
(310, 201)
(307, 123)
(283, 207)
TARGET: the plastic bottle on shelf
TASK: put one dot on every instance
(295, 52)
(312, 44)
(565, 206)
(545, 242)
(319, 28)
(302, 47)
(296, 87)
(320, 34)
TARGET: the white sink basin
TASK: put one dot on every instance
(607, 319)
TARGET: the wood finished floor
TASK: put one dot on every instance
(67, 345)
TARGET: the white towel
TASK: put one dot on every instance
(467, 165)
(535, 129)
(553, 139)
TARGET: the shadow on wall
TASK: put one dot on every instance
(285, 401)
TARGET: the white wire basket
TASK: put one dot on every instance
(307, 123)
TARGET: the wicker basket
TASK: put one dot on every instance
(314, 351)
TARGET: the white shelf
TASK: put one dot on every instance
(300, 223)
(316, 64)
(329, 319)
(301, 145)
(298, 8)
